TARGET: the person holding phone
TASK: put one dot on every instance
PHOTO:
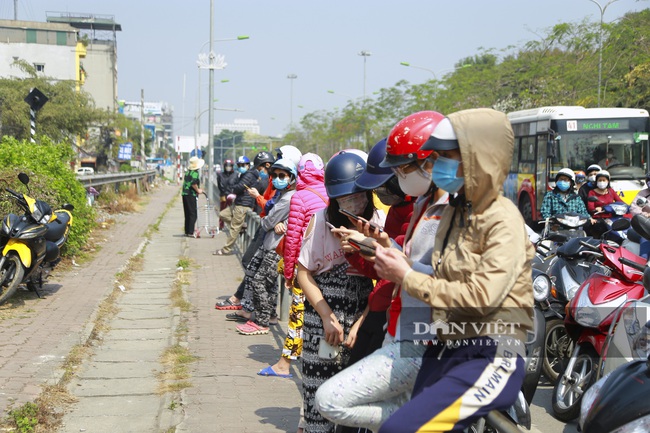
(336, 294)
(481, 278)
(368, 392)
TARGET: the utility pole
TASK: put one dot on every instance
(211, 106)
(142, 155)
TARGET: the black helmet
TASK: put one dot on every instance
(263, 158)
(228, 162)
(375, 175)
(341, 173)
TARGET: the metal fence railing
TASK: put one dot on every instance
(244, 239)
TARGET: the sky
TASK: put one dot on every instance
(318, 41)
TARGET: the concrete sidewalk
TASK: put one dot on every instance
(38, 334)
(118, 387)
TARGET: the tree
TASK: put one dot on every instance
(67, 114)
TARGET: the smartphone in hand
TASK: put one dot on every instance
(373, 227)
(365, 246)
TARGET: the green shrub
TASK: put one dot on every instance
(126, 168)
(50, 179)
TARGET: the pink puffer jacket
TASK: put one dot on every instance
(310, 196)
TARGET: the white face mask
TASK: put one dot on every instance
(354, 203)
(592, 178)
(602, 185)
(414, 184)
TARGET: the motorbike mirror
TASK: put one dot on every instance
(592, 199)
(622, 224)
(24, 179)
(68, 206)
(641, 225)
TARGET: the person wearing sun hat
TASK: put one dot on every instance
(190, 192)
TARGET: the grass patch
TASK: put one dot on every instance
(42, 415)
(175, 361)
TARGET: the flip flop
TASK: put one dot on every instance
(223, 253)
(227, 305)
(268, 371)
(234, 317)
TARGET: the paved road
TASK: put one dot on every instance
(118, 385)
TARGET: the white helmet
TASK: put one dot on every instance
(291, 153)
(566, 172)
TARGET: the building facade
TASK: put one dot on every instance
(239, 125)
(52, 49)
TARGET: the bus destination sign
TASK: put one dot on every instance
(597, 125)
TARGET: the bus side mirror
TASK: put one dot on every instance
(550, 148)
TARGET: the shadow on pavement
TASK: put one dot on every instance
(283, 418)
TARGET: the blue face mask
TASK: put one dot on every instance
(242, 170)
(444, 175)
(280, 183)
(563, 185)
(263, 175)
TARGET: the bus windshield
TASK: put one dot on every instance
(616, 152)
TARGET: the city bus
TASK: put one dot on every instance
(550, 138)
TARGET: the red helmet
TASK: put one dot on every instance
(407, 136)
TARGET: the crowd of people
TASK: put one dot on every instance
(410, 242)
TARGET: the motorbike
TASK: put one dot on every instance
(31, 242)
(519, 413)
(624, 373)
(589, 316)
(557, 230)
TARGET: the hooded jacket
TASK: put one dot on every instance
(304, 203)
(482, 283)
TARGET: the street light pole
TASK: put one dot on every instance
(291, 77)
(211, 105)
(365, 54)
(419, 67)
(600, 42)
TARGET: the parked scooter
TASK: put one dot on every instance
(30, 243)
(625, 369)
(589, 317)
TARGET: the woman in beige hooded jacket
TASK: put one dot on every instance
(481, 290)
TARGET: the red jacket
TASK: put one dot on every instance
(603, 200)
(397, 221)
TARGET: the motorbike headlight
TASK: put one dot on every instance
(541, 287)
(589, 398)
(619, 209)
(572, 221)
(41, 212)
(640, 425)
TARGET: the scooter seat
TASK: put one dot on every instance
(56, 229)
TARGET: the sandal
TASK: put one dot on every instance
(228, 305)
(251, 328)
(234, 317)
(223, 253)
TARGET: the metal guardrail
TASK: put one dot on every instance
(245, 238)
(105, 179)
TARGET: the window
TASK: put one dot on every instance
(31, 36)
(40, 67)
(61, 38)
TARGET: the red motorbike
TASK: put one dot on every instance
(589, 316)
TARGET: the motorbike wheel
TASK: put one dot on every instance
(11, 275)
(571, 386)
(559, 347)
